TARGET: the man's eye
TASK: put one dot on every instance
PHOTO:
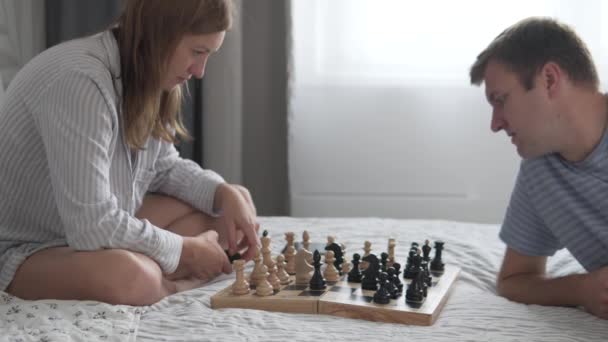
(500, 100)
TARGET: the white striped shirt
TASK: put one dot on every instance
(67, 176)
(557, 204)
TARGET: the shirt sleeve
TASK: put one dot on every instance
(77, 121)
(523, 229)
(184, 179)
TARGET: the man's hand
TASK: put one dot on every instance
(202, 257)
(238, 220)
(594, 292)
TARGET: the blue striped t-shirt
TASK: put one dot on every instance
(557, 204)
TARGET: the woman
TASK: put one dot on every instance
(86, 136)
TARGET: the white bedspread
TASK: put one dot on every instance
(473, 311)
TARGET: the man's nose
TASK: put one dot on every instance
(497, 123)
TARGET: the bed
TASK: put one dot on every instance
(473, 311)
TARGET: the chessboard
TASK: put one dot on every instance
(346, 299)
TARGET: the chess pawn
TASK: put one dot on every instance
(397, 268)
(263, 287)
(273, 279)
(290, 254)
(345, 268)
(330, 273)
(330, 240)
(354, 275)
(383, 261)
(281, 273)
(392, 286)
(317, 282)
(257, 274)
(306, 241)
(240, 286)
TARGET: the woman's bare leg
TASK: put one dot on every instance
(114, 276)
(176, 216)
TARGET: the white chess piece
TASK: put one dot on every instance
(281, 273)
(263, 288)
(345, 267)
(257, 274)
(391, 252)
(330, 273)
(303, 268)
(290, 254)
(367, 248)
(273, 279)
(306, 240)
(266, 252)
(240, 285)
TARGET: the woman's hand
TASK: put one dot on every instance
(202, 257)
(238, 220)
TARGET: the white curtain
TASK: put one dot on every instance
(383, 119)
(21, 34)
(404, 40)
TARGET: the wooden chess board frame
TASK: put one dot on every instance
(346, 300)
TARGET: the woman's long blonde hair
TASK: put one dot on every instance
(148, 32)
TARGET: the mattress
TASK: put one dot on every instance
(473, 311)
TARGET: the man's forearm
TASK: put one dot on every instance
(537, 289)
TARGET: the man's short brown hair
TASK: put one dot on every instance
(533, 42)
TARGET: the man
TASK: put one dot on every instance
(543, 88)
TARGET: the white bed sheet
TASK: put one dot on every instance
(473, 311)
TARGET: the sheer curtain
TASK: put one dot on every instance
(383, 119)
(413, 41)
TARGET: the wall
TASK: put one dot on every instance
(245, 105)
(423, 151)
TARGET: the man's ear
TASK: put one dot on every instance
(551, 76)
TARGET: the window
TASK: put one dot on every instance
(400, 40)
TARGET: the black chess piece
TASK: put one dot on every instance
(415, 245)
(428, 280)
(338, 255)
(369, 281)
(437, 265)
(354, 276)
(413, 266)
(415, 294)
(383, 295)
(317, 282)
(235, 256)
(422, 283)
(383, 261)
(393, 289)
(408, 265)
(396, 280)
(426, 251)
